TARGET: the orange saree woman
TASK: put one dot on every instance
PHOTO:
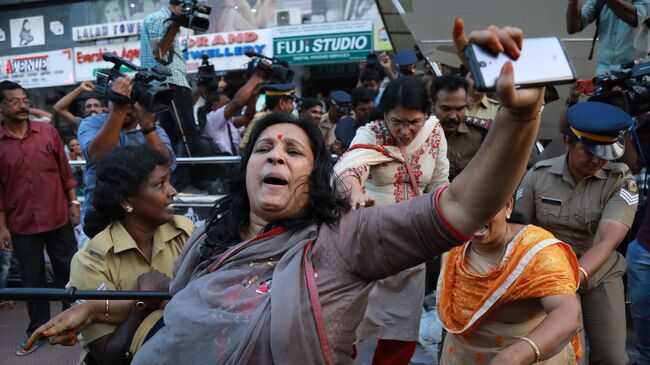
(516, 305)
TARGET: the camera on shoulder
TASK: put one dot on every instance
(154, 98)
(193, 15)
(276, 71)
(206, 76)
(628, 89)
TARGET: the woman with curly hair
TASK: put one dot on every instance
(138, 241)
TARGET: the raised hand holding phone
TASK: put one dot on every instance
(541, 61)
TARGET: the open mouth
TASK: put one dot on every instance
(275, 180)
(169, 206)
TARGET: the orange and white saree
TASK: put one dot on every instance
(484, 313)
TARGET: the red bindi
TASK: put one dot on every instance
(279, 137)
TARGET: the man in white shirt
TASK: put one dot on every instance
(219, 111)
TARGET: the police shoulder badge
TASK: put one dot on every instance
(629, 192)
(630, 185)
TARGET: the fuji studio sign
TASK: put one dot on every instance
(335, 43)
(314, 43)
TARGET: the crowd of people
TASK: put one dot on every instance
(338, 216)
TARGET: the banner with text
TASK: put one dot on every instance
(88, 60)
(323, 43)
(226, 51)
(42, 69)
(106, 30)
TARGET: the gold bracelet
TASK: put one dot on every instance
(106, 313)
(538, 356)
(584, 272)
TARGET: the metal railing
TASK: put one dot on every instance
(73, 294)
(184, 160)
(193, 200)
(193, 160)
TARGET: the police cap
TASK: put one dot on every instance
(406, 58)
(280, 90)
(600, 128)
(340, 97)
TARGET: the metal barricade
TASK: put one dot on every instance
(72, 294)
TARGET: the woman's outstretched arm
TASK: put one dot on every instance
(492, 175)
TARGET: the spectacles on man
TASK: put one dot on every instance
(18, 102)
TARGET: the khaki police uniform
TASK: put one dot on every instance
(112, 260)
(269, 90)
(486, 108)
(548, 197)
(463, 144)
(249, 128)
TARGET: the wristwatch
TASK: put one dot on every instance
(148, 130)
(74, 202)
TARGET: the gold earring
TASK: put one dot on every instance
(129, 209)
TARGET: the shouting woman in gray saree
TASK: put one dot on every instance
(281, 272)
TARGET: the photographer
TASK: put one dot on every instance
(622, 33)
(220, 121)
(99, 134)
(160, 46)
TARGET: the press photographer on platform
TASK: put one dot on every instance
(160, 46)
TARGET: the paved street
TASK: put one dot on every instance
(13, 322)
(12, 332)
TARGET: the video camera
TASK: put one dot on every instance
(207, 76)
(154, 98)
(275, 70)
(628, 89)
(193, 15)
(372, 61)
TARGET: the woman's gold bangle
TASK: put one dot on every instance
(584, 272)
(538, 356)
(106, 312)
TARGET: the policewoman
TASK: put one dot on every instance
(588, 201)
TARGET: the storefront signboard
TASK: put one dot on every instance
(43, 69)
(324, 43)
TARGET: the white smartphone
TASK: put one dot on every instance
(543, 61)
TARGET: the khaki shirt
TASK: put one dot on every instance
(325, 124)
(461, 147)
(549, 198)
(249, 128)
(112, 260)
(486, 108)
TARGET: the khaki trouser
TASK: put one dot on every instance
(603, 312)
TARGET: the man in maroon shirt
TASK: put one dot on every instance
(38, 203)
